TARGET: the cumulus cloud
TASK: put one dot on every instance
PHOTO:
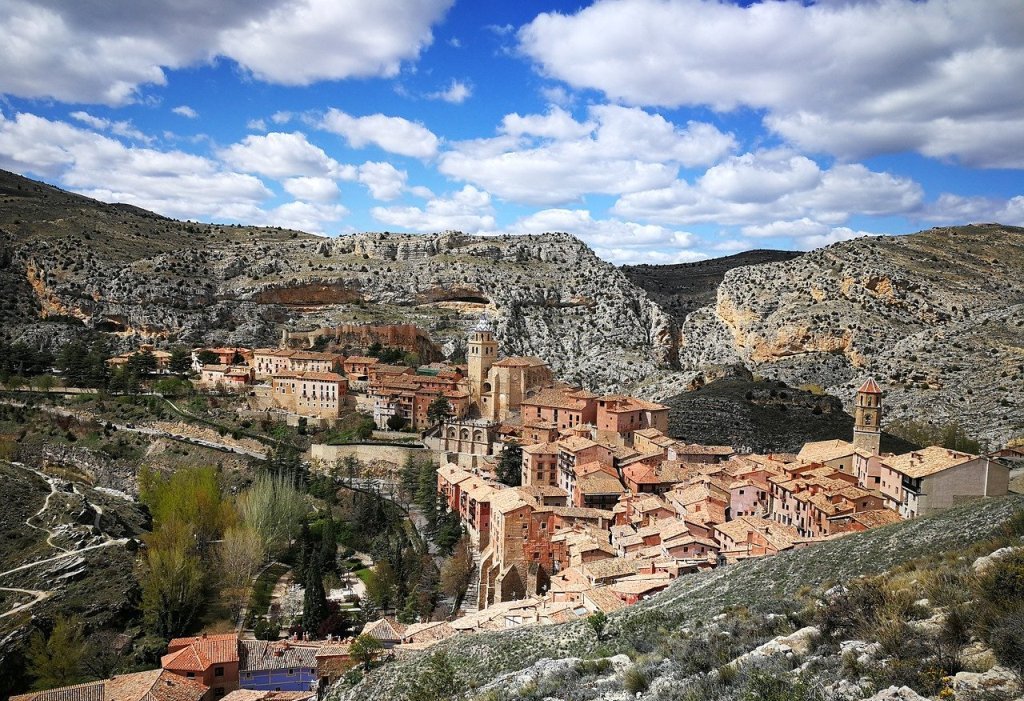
(384, 181)
(185, 111)
(312, 189)
(393, 134)
(117, 127)
(280, 155)
(170, 182)
(603, 232)
(774, 185)
(553, 159)
(848, 78)
(456, 93)
(957, 209)
(104, 51)
(304, 216)
(468, 210)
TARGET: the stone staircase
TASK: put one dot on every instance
(471, 601)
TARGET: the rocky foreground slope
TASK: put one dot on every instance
(120, 269)
(680, 641)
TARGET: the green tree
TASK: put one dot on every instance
(274, 507)
(510, 464)
(142, 363)
(180, 362)
(44, 383)
(172, 587)
(457, 571)
(329, 546)
(56, 660)
(364, 650)
(207, 357)
(396, 422)
(597, 622)
(439, 410)
(191, 497)
(239, 556)
(314, 600)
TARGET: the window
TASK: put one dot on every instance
(248, 675)
(218, 671)
(291, 672)
(190, 675)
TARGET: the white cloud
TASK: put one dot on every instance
(312, 189)
(848, 78)
(119, 128)
(384, 181)
(456, 93)
(256, 125)
(393, 134)
(304, 216)
(603, 232)
(104, 51)
(956, 209)
(172, 183)
(552, 159)
(469, 210)
(650, 256)
(280, 155)
(774, 185)
(185, 111)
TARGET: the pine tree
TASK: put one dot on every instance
(329, 546)
(314, 602)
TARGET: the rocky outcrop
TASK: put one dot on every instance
(936, 317)
(141, 276)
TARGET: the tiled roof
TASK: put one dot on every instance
(927, 461)
(507, 500)
(198, 653)
(385, 630)
(153, 685)
(265, 654)
(604, 599)
(575, 443)
(876, 518)
(599, 483)
(361, 360)
(93, 691)
(558, 398)
(870, 387)
(541, 449)
(823, 451)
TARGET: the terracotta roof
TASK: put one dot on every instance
(575, 443)
(876, 518)
(823, 451)
(870, 387)
(313, 376)
(336, 650)
(93, 691)
(541, 449)
(604, 599)
(206, 650)
(152, 685)
(265, 654)
(507, 500)
(557, 397)
(927, 461)
(599, 482)
(361, 360)
(385, 630)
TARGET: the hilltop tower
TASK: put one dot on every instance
(481, 352)
(867, 426)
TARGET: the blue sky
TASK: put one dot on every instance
(656, 130)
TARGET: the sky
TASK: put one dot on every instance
(658, 131)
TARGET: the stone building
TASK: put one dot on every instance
(867, 426)
(312, 394)
(498, 387)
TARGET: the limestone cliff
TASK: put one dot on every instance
(936, 317)
(82, 263)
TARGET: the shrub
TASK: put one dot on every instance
(635, 680)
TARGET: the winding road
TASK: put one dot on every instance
(40, 595)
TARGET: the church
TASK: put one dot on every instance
(498, 387)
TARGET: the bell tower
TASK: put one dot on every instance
(481, 352)
(867, 426)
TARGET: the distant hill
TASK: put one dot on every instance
(686, 287)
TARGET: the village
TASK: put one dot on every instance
(604, 509)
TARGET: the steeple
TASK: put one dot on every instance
(481, 352)
(867, 425)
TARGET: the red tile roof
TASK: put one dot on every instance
(870, 387)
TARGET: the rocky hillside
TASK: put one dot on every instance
(791, 618)
(762, 416)
(686, 287)
(75, 262)
(936, 317)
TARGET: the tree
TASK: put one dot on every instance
(510, 465)
(457, 571)
(142, 363)
(274, 508)
(180, 362)
(172, 587)
(329, 546)
(56, 660)
(396, 422)
(380, 585)
(239, 556)
(439, 410)
(207, 357)
(104, 654)
(364, 650)
(44, 383)
(191, 497)
(314, 600)
(597, 622)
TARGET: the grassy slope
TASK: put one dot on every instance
(700, 597)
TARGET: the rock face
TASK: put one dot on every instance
(936, 317)
(78, 263)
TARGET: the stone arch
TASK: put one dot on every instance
(478, 435)
(465, 434)
(487, 388)
(451, 433)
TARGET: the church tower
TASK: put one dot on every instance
(481, 352)
(867, 426)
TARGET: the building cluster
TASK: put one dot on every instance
(611, 509)
(221, 666)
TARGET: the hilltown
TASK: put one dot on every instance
(609, 511)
